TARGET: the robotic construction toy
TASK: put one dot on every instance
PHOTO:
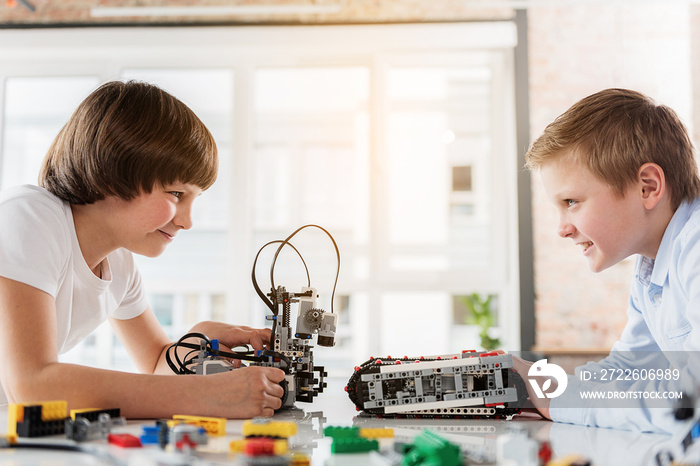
(467, 385)
(292, 354)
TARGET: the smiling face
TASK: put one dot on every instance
(150, 221)
(606, 226)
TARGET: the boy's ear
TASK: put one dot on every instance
(651, 184)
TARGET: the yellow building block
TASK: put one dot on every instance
(367, 432)
(53, 410)
(213, 425)
(15, 414)
(50, 411)
(299, 459)
(266, 428)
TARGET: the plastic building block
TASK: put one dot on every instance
(150, 435)
(186, 437)
(82, 429)
(683, 446)
(517, 447)
(54, 410)
(367, 432)
(237, 446)
(545, 453)
(353, 445)
(455, 385)
(156, 435)
(279, 446)
(570, 460)
(430, 448)
(263, 427)
(341, 432)
(213, 425)
(262, 446)
(124, 440)
(92, 414)
(299, 459)
(37, 420)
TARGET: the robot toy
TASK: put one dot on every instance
(459, 386)
(289, 351)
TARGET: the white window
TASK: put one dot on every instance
(399, 140)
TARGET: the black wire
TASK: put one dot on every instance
(182, 366)
(286, 242)
(267, 302)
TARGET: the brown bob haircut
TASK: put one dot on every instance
(125, 138)
(613, 133)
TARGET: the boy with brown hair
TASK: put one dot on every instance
(621, 172)
(121, 177)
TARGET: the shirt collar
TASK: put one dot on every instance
(655, 271)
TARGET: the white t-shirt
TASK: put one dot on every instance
(39, 247)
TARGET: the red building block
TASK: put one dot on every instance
(124, 440)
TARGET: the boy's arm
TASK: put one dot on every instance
(32, 373)
(636, 350)
(144, 339)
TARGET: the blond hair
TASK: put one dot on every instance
(613, 133)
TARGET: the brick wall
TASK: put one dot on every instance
(70, 12)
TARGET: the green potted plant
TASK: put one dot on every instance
(479, 313)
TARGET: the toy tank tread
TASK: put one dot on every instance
(455, 386)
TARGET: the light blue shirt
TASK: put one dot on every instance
(663, 325)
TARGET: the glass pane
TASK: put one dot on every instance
(162, 305)
(399, 314)
(462, 178)
(35, 111)
(311, 166)
(440, 160)
(311, 148)
(218, 307)
(418, 178)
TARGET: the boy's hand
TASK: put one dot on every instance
(234, 335)
(522, 367)
(247, 392)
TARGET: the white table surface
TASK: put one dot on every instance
(334, 408)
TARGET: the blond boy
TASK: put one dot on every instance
(621, 172)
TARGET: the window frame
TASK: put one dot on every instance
(105, 52)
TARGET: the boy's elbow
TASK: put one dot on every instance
(31, 386)
(25, 392)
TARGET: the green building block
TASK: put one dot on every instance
(354, 445)
(429, 449)
(341, 432)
